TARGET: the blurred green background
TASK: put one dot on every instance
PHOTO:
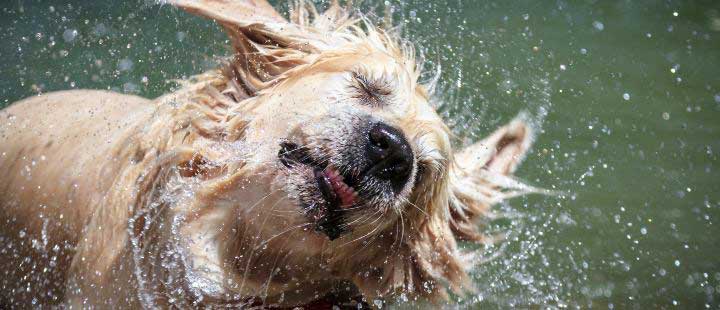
(625, 96)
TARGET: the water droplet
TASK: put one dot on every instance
(69, 35)
(626, 96)
(677, 263)
(125, 64)
(598, 25)
(180, 36)
(100, 29)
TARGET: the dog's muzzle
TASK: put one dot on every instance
(387, 161)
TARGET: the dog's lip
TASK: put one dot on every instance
(335, 187)
(331, 183)
(291, 154)
(325, 186)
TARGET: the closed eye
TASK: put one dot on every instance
(374, 93)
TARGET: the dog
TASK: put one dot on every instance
(310, 164)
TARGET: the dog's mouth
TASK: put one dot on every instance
(333, 187)
(337, 189)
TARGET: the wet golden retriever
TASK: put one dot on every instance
(311, 164)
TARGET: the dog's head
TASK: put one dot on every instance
(336, 121)
(354, 136)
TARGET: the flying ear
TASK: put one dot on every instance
(500, 153)
(266, 45)
(238, 12)
(483, 177)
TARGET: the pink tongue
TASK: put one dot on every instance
(346, 193)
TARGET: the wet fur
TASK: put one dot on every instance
(200, 212)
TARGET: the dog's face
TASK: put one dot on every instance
(350, 138)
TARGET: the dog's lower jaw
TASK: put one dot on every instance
(228, 262)
(269, 258)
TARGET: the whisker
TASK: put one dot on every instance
(279, 234)
(261, 200)
(373, 222)
(371, 240)
(368, 234)
(363, 217)
(272, 270)
(355, 208)
(402, 230)
(418, 208)
(252, 252)
(395, 240)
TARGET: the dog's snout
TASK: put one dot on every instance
(390, 155)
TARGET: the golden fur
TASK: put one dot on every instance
(181, 201)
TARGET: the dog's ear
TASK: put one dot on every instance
(238, 12)
(267, 45)
(499, 153)
(483, 177)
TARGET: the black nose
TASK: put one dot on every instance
(390, 155)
